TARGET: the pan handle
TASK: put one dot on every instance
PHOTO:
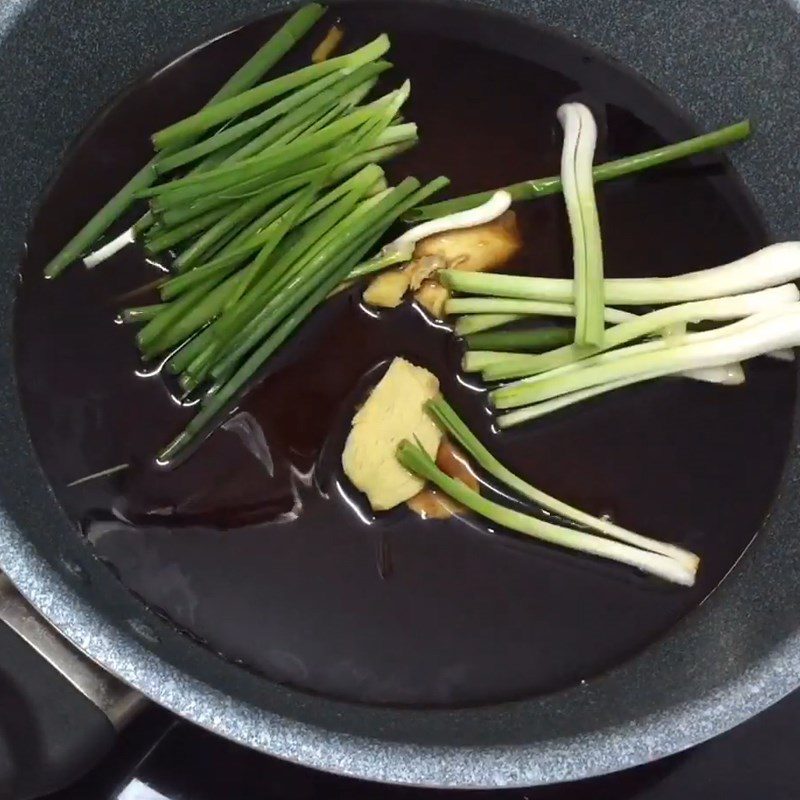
(59, 712)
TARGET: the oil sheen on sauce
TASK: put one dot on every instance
(258, 546)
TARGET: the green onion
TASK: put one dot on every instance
(173, 312)
(160, 239)
(281, 228)
(447, 419)
(728, 374)
(415, 459)
(174, 215)
(372, 225)
(376, 264)
(235, 332)
(268, 55)
(277, 158)
(288, 311)
(724, 308)
(184, 316)
(178, 134)
(753, 336)
(771, 266)
(277, 279)
(493, 305)
(535, 341)
(255, 236)
(247, 75)
(308, 102)
(541, 187)
(658, 345)
(240, 215)
(580, 137)
(100, 222)
(312, 256)
(141, 314)
(473, 323)
(481, 360)
(306, 123)
(493, 208)
(375, 155)
(234, 253)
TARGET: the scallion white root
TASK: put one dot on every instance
(726, 375)
(496, 206)
(111, 249)
(402, 248)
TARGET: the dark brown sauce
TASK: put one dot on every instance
(289, 572)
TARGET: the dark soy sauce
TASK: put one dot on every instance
(259, 547)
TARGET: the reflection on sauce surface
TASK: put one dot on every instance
(258, 546)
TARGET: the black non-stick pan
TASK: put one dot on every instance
(60, 62)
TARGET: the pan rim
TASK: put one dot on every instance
(654, 736)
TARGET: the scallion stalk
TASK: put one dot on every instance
(374, 224)
(580, 137)
(771, 266)
(533, 341)
(249, 320)
(141, 313)
(276, 158)
(731, 375)
(297, 107)
(416, 460)
(753, 336)
(161, 239)
(178, 134)
(232, 255)
(541, 187)
(724, 308)
(502, 305)
(449, 421)
(376, 264)
(473, 323)
(657, 345)
(235, 219)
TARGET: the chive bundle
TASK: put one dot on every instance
(246, 76)
(268, 198)
(280, 225)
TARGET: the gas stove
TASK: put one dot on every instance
(162, 758)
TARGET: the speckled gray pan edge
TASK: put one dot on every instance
(722, 59)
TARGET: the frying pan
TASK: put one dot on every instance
(738, 653)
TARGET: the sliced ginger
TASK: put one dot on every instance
(394, 411)
(477, 249)
(387, 289)
(432, 296)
